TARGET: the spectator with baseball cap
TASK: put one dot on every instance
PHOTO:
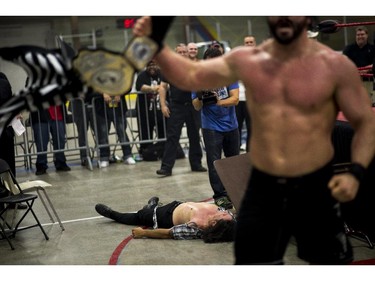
(218, 45)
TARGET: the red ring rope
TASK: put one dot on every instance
(364, 67)
(354, 24)
(365, 74)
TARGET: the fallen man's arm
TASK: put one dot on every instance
(160, 233)
(184, 231)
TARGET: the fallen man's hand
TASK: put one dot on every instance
(137, 232)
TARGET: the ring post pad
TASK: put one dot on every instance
(105, 71)
(140, 51)
(328, 26)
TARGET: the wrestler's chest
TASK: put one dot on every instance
(301, 89)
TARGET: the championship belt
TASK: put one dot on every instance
(112, 73)
(140, 51)
(104, 71)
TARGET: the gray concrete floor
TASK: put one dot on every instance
(90, 239)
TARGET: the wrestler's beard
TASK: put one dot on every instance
(285, 40)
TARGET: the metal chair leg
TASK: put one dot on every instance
(44, 204)
(358, 235)
(52, 207)
(6, 236)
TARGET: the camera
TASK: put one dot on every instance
(207, 97)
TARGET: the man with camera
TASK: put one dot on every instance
(219, 128)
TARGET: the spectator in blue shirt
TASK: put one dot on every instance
(219, 128)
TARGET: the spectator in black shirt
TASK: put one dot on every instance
(178, 111)
(362, 53)
(147, 104)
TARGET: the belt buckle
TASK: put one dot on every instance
(282, 180)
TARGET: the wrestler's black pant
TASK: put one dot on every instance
(145, 216)
(276, 208)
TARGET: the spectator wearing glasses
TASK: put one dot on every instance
(219, 128)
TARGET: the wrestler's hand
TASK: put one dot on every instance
(143, 27)
(344, 187)
(155, 28)
(137, 232)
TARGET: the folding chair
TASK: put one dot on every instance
(16, 197)
(234, 172)
(39, 187)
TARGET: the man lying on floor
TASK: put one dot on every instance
(177, 220)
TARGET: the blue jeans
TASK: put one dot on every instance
(83, 118)
(117, 116)
(41, 136)
(215, 143)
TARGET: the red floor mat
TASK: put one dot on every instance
(364, 262)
